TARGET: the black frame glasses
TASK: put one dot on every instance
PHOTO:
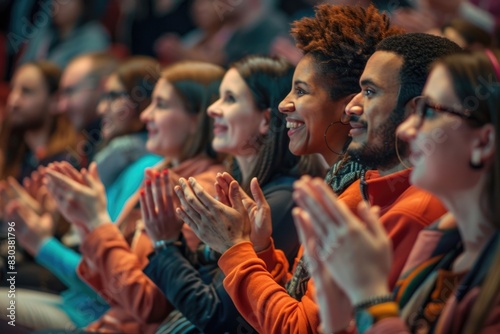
(423, 103)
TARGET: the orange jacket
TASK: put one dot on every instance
(265, 303)
(113, 267)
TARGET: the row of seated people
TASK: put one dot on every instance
(399, 237)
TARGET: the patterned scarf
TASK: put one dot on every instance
(340, 176)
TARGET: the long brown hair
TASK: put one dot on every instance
(61, 133)
(468, 71)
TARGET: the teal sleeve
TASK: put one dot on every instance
(61, 261)
(82, 304)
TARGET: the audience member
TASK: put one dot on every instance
(124, 157)
(247, 125)
(467, 35)
(35, 134)
(80, 89)
(228, 32)
(450, 283)
(71, 28)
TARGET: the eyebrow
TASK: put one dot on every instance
(296, 82)
(368, 82)
(160, 98)
(227, 91)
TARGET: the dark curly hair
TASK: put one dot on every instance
(341, 39)
(418, 51)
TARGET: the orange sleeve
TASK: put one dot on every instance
(265, 304)
(115, 272)
(276, 263)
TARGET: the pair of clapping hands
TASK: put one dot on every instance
(221, 222)
(56, 189)
(349, 257)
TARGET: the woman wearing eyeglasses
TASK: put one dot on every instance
(124, 157)
(451, 281)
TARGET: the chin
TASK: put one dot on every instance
(152, 148)
(299, 150)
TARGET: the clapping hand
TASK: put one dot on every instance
(157, 207)
(356, 251)
(80, 196)
(258, 209)
(220, 225)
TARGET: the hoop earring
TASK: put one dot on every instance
(399, 156)
(326, 130)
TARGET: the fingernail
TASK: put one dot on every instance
(141, 192)
(165, 172)
(148, 182)
(192, 180)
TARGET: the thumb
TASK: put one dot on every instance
(94, 172)
(235, 197)
(257, 193)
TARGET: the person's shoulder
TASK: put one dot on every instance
(280, 182)
(92, 27)
(419, 204)
(91, 31)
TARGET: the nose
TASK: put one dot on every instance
(286, 105)
(13, 99)
(407, 131)
(102, 107)
(355, 107)
(213, 110)
(147, 113)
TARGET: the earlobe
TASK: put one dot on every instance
(483, 148)
(487, 140)
(265, 122)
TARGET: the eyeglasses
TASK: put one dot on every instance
(113, 95)
(425, 109)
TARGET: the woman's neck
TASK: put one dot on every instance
(246, 165)
(38, 139)
(331, 158)
(473, 223)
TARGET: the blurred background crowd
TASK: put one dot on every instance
(77, 77)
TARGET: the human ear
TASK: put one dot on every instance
(265, 121)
